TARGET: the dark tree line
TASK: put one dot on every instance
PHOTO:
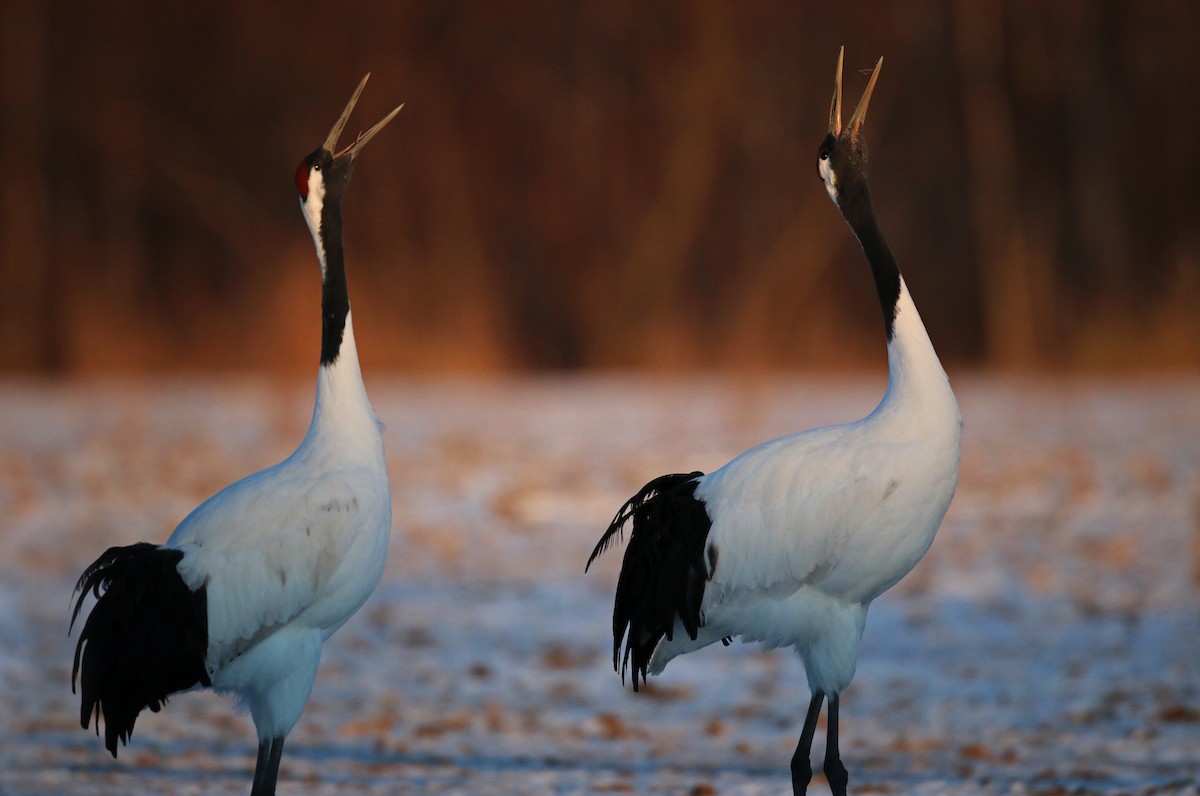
(597, 184)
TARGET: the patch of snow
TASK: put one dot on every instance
(1047, 644)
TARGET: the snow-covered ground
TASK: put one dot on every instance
(1048, 644)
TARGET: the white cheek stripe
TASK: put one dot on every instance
(312, 212)
(830, 180)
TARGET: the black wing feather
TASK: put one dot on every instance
(145, 638)
(664, 572)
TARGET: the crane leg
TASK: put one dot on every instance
(835, 772)
(801, 767)
(260, 767)
(266, 769)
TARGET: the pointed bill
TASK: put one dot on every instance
(835, 107)
(340, 124)
(860, 113)
(363, 138)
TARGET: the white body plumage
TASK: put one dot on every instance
(811, 527)
(290, 553)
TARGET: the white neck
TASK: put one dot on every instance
(918, 393)
(343, 421)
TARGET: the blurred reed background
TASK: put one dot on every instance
(605, 184)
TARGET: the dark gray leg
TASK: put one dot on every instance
(835, 772)
(266, 770)
(801, 768)
(260, 767)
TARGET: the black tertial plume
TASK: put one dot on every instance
(144, 640)
(664, 571)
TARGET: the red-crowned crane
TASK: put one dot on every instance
(788, 544)
(247, 589)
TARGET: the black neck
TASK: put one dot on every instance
(335, 294)
(856, 209)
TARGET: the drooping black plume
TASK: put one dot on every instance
(664, 571)
(144, 640)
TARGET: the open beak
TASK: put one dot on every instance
(835, 107)
(340, 124)
(860, 113)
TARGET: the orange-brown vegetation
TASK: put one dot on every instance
(596, 184)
